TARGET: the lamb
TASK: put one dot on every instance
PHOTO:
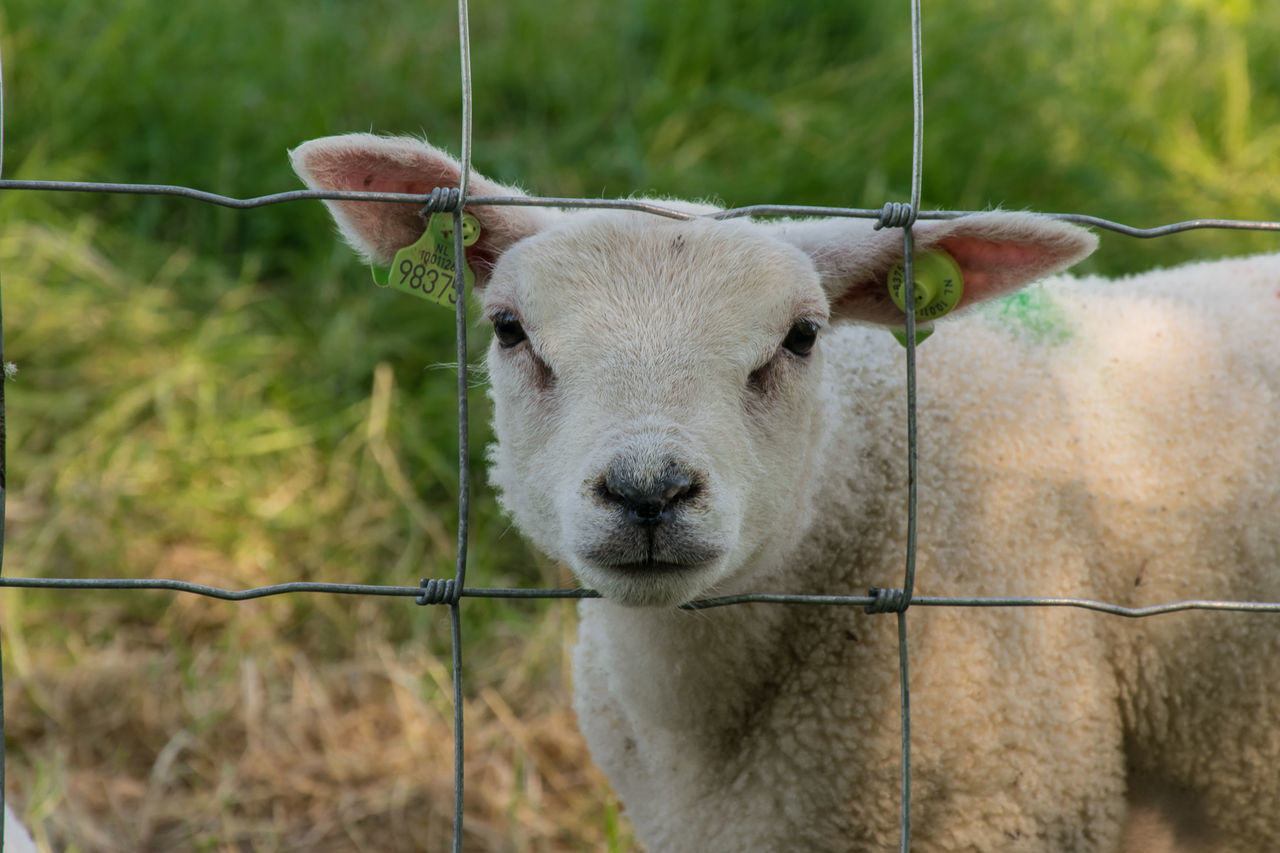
(696, 408)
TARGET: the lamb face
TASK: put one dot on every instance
(657, 382)
(654, 386)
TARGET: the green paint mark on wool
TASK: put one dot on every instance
(1033, 315)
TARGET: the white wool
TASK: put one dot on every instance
(663, 430)
(16, 837)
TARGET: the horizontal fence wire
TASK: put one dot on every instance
(391, 591)
(450, 592)
(655, 208)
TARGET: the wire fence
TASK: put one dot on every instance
(450, 592)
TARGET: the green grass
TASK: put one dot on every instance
(223, 396)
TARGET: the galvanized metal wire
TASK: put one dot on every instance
(464, 422)
(440, 591)
(655, 208)
(3, 501)
(896, 215)
(451, 591)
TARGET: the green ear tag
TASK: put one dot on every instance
(425, 269)
(939, 286)
(900, 335)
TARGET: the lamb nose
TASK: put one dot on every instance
(646, 500)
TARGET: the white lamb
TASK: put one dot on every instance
(684, 409)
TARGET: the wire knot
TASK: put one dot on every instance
(441, 200)
(438, 591)
(887, 601)
(896, 215)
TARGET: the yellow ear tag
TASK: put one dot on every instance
(939, 284)
(425, 268)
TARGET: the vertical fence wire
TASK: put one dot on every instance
(3, 376)
(908, 263)
(460, 308)
(464, 430)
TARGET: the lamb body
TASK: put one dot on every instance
(667, 427)
(1135, 463)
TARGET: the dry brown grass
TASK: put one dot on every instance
(142, 721)
(247, 746)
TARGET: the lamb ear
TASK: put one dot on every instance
(377, 230)
(998, 252)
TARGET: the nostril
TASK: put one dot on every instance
(675, 485)
(646, 500)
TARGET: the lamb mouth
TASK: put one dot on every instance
(643, 567)
(648, 583)
(646, 576)
(652, 561)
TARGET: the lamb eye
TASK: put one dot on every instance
(507, 329)
(801, 338)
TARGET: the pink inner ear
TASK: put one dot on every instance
(990, 268)
(379, 176)
(358, 171)
(382, 184)
(479, 256)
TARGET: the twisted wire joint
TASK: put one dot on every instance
(438, 591)
(896, 215)
(887, 601)
(441, 200)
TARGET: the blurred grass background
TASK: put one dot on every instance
(223, 396)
